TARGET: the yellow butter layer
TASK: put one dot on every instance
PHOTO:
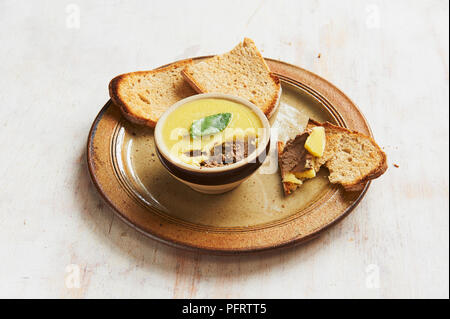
(315, 143)
(306, 174)
(291, 178)
(244, 122)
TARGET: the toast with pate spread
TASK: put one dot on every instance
(242, 72)
(352, 158)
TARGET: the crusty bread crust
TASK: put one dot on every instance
(126, 109)
(276, 99)
(268, 109)
(196, 86)
(127, 112)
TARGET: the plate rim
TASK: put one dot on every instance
(198, 248)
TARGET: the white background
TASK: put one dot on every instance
(390, 57)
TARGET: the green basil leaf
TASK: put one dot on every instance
(210, 125)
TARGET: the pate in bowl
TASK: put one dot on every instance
(212, 142)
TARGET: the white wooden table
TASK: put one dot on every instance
(58, 239)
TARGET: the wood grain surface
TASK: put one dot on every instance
(59, 239)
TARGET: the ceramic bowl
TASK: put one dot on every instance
(214, 180)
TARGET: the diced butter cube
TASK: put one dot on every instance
(306, 174)
(315, 143)
(290, 178)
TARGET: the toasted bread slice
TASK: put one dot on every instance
(144, 96)
(242, 72)
(352, 158)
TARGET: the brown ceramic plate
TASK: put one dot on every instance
(255, 216)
